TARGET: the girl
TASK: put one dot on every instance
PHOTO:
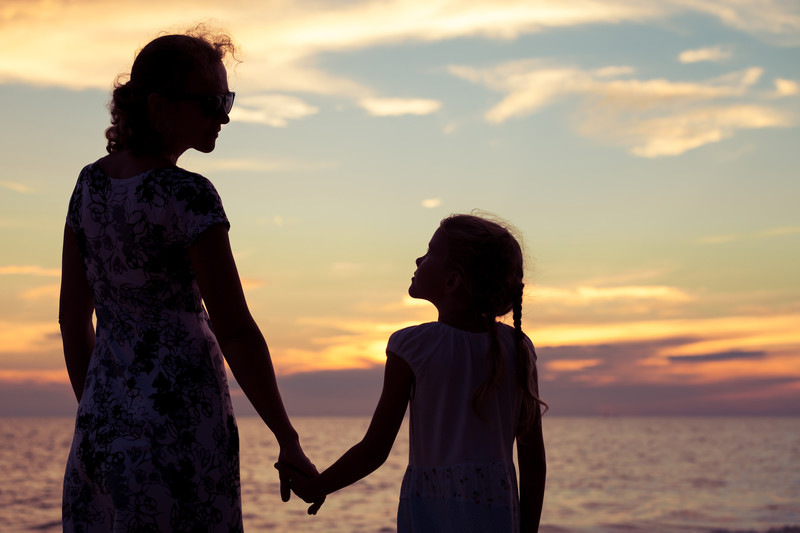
(146, 250)
(472, 385)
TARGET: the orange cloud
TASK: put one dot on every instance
(30, 270)
(34, 377)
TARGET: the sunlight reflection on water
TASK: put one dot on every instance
(604, 475)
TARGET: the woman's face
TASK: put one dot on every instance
(190, 121)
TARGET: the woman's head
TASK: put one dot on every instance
(489, 259)
(171, 68)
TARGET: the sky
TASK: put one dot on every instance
(648, 152)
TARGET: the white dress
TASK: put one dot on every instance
(461, 476)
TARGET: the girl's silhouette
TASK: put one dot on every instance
(472, 386)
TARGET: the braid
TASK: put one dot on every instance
(531, 404)
(496, 367)
(490, 260)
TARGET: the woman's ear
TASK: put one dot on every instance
(156, 109)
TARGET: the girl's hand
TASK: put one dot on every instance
(293, 456)
(300, 484)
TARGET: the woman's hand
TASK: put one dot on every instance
(295, 471)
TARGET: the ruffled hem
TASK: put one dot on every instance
(489, 484)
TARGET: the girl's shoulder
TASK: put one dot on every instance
(411, 332)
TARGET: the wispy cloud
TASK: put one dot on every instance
(30, 270)
(714, 53)
(262, 164)
(16, 187)
(38, 376)
(652, 118)
(708, 335)
(587, 295)
(786, 87)
(764, 234)
(281, 39)
(719, 356)
(47, 292)
(271, 109)
(777, 20)
(392, 107)
(29, 337)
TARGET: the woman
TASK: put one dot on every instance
(145, 247)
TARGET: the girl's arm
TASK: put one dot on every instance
(532, 469)
(373, 450)
(75, 308)
(532, 473)
(241, 341)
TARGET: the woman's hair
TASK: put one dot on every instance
(163, 67)
(490, 261)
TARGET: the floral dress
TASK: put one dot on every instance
(156, 446)
(461, 476)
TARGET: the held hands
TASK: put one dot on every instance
(300, 483)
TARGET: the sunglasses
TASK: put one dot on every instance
(212, 106)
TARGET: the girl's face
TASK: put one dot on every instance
(430, 278)
(191, 122)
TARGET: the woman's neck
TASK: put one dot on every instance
(124, 164)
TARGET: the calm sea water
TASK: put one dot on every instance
(608, 475)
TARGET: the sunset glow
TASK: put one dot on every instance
(647, 152)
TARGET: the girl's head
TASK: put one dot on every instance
(488, 259)
(184, 70)
(482, 260)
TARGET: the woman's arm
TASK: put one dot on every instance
(75, 308)
(373, 450)
(241, 341)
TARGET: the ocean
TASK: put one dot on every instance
(605, 475)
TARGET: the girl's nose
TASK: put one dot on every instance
(418, 261)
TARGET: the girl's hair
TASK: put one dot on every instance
(163, 67)
(490, 261)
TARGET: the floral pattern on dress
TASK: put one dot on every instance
(156, 446)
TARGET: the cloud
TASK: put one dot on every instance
(774, 20)
(720, 356)
(48, 292)
(674, 135)
(272, 109)
(29, 337)
(587, 295)
(30, 270)
(282, 40)
(392, 107)
(262, 164)
(786, 87)
(757, 235)
(16, 187)
(714, 53)
(651, 118)
(715, 334)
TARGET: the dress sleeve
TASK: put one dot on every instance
(196, 206)
(74, 211)
(410, 345)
